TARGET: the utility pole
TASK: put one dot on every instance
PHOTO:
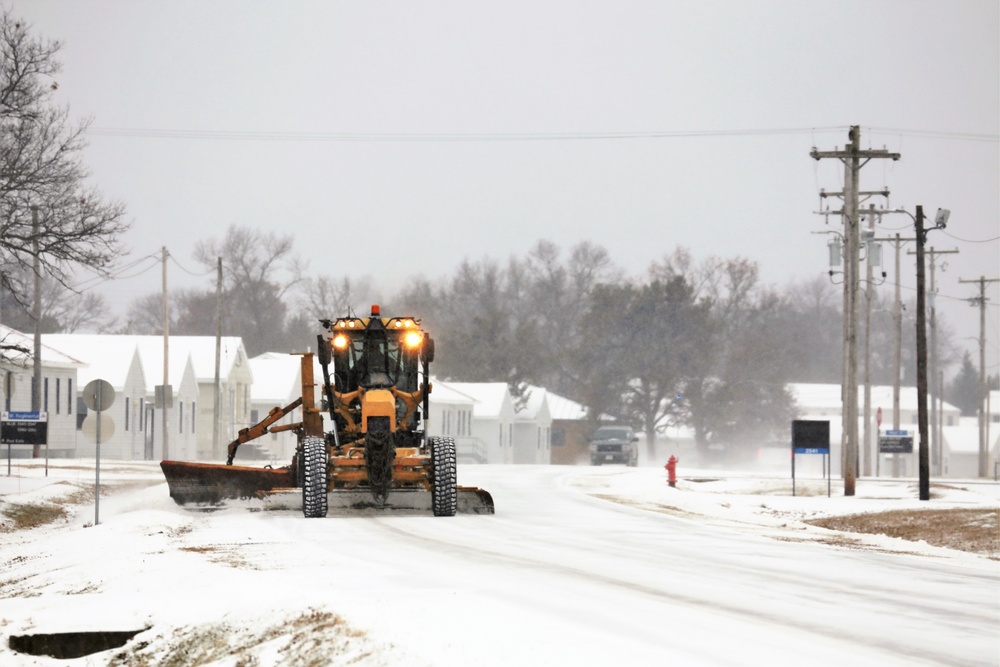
(36, 312)
(980, 301)
(937, 393)
(216, 452)
(166, 355)
(854, 159)
(869, 297)
(922, 459)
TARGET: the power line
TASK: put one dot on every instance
(257, 135)
(958, 238)
(268, 135)
(188, 271)
(939, 134)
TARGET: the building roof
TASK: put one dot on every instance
(812, 397)
(276, 376)
(442, 392)
(563, 408)
(489, 397)
(537, 400)
(104, 357)
(51, 355)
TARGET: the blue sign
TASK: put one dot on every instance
(25, 416)
(24, 428)
(895, 432)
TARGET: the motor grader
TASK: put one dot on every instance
(375, 390)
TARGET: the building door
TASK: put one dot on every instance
(150, 415)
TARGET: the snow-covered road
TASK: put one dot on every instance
(556, 577)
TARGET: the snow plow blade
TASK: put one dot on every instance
(212, 483)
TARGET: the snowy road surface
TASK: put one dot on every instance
(556, 577)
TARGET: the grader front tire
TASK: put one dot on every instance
(444, 491)
(314, 477)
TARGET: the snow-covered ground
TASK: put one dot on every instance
(580, 566)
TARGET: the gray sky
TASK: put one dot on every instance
(395, 139)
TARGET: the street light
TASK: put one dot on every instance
(940, 221)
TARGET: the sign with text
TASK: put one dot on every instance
(810, 436)
(896, 442)
(24, 428)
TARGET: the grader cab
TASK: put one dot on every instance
(375, 454)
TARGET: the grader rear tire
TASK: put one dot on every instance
(314, 477)
(444, 492)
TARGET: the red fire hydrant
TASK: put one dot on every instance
(671, 470)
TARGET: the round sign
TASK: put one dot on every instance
(98, 395)
(878, 417)
(89, 427)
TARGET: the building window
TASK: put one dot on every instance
(45, 395)
(193, 413)
(58, 395)
(126, 412)
(180, 417)
(142, 414)
(69, 395)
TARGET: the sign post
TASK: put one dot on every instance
(24, 428)
(811, 437)
(98, 396)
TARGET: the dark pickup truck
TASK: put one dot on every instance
(614, 444)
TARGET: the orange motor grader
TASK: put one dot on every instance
(375, 389)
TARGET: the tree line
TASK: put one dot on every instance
(702, 343)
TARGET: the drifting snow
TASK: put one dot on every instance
(579, 566)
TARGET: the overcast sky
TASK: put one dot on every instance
(396, 139)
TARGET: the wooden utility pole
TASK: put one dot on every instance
(923, 461)
(854, 158)
(166, 356)
(217, 399)
(36, 313)
(984, 453)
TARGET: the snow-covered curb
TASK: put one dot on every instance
(765, 505)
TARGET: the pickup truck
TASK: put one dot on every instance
(614, 444)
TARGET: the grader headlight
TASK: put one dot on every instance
(413, 339)
(340, 341)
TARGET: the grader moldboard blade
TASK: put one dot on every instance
(208, 484)
(212, 483)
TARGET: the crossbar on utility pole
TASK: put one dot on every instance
(854, 158)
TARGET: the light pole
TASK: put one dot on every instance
(940, 221)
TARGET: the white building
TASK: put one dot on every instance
(277, 382)
(492, 417)
(133, 365)
(58, 391)
(533, 429)
(451, 413)
(107, 358)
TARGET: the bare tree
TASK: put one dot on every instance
(259, 270)
(46, 208)
(327, 297)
